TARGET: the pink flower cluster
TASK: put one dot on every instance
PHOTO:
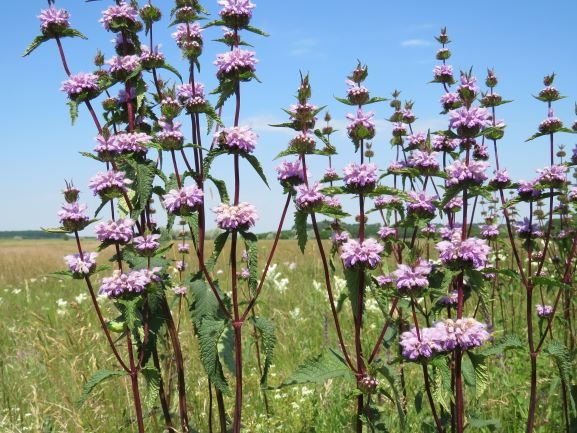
(238, 138)
(121, 12)
(133, 282)
(53, 18)
(72, 216)
(458, 254)
(81, 266)
(290, 173)
(109, 182)
(122, 143)
(361, 254)
(360, 177)
(183, 201)
(411, 280)
(309, 197)
(461, 173)
(119, 231)
(81, 83)
(239, 217)
(146, 244)
(235, 61)
(424, 161)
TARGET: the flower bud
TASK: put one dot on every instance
(491, 80)
(98, 59)
(150, 14)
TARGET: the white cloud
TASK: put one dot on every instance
(416, 43)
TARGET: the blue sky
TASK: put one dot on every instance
(522, 41)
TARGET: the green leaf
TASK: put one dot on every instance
(550, 282)
(352, 276)
(219, 244)
(256, 165)
(55, 230)
(38, 40)
(250, 242)
(205, 304)
(257, 31)
(332, 212)
(171, 69)
(267, 332)
(130, 311)
(145, 174)
(96, 379)
(72, 33)
(475, 372)
(375, 99)
(491, 424)
(319, 369)
(506, 343)
(221, 188)
(344, 101)
(209, 333)
(441, 383)
(73, 110)
(152, 377)
(560, 353)
(301, 229)
(393, 379)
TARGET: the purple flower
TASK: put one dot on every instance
(357, 94)
(527, 230)
(151, 58)
(444, 144)
(361, 126)
(461, 173)
(396, 165)
(443, 74)
(458, 254)
(81, 266)
(361, 254)
(330, 174)
(416, 141)
(133, 282)
(399, 129)
(119, 231)
(413, 347)
(236, 8)
(553, 176)
(146, 244)
(122, 66)
(490, 231)
(454, 205)
(360, 178)
(451, 101)
(183, 201)
(179, 290)
(189, 39)
(119, 14)
(421, 205)
(304, 142)
(191, 97)
(309, 197)
(239, 217)
(501, 179)
(290, 173)
(449, 233)
(527, 190)
(412, 280)
(234, 63)
(244, 274)
(81, 84)
(333, 202)
(183, 248)
(424, 161)
(180, 265)
(388, 201)
(53, 20)
(469, 121)
(109, 184)
(170, 136)
(121, 143)
(384, 281)
(468, 84)
(465, 333)
(429, 230)
(551, 124)
(340, 237)
(72, 216)
(544, 311)
(572, 196)
(237, 139)
(451, 299)
(387, 232)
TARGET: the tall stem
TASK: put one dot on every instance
(134, 383)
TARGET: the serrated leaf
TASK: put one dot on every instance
(129, 308)
(257, 31)
(250, 242)
(332, 212)
(152, 377)
(97, 378)
(36, 42)
(352, 277)
(72, 33)
(375, 99)
(508, 342)
(209, 333)
(475, 372)
(145, 174)
(344, 101)
(205, 304)
(219, 244)
(171, 69)
(221, 188)
(319, 369)
(267, 332)
(560, 353)
(301, 229)
(441, 383)
(73, 110)
(256, 165)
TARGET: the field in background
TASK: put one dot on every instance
(50, 344)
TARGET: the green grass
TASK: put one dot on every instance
(49, 349)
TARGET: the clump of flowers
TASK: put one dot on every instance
(551, 124)
(554, 176)
(122, 66)
(184, 201)
(501, 179)
(421, 205)
(170, 137)
(528, 230)
(469, 121)
(443, 74)
(120, 16)
(290, 173)
(146, 244)
(188, 38)
(192, 97)
(412, 280)
(72, 216)
(356, 93)
(361, 126)
(53, 21)
(425, 162)
(81, 265)
(239, 217)
(236, 64)
(461, 173)
(109, 184)
(81, 86)
(444, 144)
(386, 233)
(459, 254)
(490, 231)
(356, 254)
(237, 139)
(151, 58)
(544, 311)
(119, 231)
(236, 13)
(309, 197)
(131, 283)
(360, 177)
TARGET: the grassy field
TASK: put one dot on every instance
(51, 343)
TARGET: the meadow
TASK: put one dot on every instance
(51, 344)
